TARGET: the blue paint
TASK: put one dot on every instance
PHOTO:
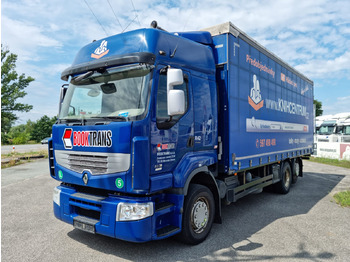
(235, 90)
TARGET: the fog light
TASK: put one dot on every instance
(134, 211)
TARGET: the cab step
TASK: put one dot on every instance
(167, 230)
(164, 205)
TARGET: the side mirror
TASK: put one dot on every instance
(71, 111)
(64, 89)
(176, 102)
(175, 98)
(174, 78)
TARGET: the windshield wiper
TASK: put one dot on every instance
(80, 121)
(126, 119)
(82, 77)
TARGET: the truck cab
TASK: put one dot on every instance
(343, 131)
(327, 131)
(136, 120)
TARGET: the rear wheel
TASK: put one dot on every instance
(198, 216)
(283, 186)
(296, 171)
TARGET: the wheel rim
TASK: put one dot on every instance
(200, 215)
(287, 178)
(297, 168)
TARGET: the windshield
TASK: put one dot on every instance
(326, 130)
(345, 130)
(119, 93)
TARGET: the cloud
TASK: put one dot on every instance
(323, 68)
(311, 35)
(344, 98)
(25, 38)
(341, 104)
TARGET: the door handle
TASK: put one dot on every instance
(190, 141)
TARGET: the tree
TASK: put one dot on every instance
(21, 134)
(43, 128)
(318, 106)
(12, 88)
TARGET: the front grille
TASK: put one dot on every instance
(323, 140)
(96, 164)
(51, 159)
(77, 201)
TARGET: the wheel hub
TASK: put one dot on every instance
(287, 178)
(297, 168)
(200, 215)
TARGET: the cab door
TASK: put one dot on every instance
(171, 137)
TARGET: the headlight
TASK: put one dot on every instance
(134, 211)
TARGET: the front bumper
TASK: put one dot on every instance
(97, 214)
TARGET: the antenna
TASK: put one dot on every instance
(177, 44)
(135, 13)
(129, 24)
(188, 19)
(115, 15)
(96, 17)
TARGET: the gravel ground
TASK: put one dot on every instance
(304, 225)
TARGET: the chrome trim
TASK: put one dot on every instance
(97, 163)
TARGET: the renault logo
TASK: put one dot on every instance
(85, 178)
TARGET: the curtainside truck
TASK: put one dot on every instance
(156, 130)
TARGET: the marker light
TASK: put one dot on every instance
(134, 211)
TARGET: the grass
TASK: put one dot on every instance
(13, 163)
(333, 162)
(343, 198)
(21, 158)
(27, 154)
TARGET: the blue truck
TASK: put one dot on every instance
(157, 130)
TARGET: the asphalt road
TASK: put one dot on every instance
(305, 225)
(23, 148)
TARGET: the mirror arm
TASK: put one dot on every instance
(170, 119)
(63, 92)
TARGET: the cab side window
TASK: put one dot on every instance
(164, 121)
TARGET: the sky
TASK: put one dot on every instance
(312, 36)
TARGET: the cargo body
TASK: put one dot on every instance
(156, 129)
(266, 106)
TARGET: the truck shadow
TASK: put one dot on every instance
(230, 240)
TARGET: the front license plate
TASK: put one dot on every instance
(84, 226)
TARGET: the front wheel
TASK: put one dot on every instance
(198, 216)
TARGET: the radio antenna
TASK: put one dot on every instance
(96, 18)
(115, 15)
(177, 44)
(129, 24)
(135, 13)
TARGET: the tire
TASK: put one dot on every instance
(198, 216)
(297, 170)
(283, 186)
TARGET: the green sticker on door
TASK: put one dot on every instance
(119, 183)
